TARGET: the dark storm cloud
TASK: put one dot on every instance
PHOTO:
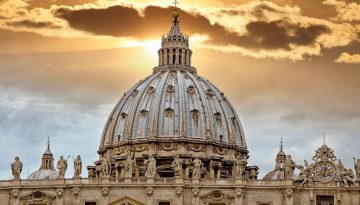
(33, 24)
(260, 34)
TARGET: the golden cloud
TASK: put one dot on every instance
(260, 29)
(348, 58)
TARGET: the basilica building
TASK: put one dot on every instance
(175, 139)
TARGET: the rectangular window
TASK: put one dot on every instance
(164, 203)
(90, 203)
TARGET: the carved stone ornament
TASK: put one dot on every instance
(239, 193)
(149, 191)
(140, 148)
(195, 192)
(217, 195)
(76, 192)
(119, 151)
(324, 153)
(179, 191)
(59, 193)
(105, 191)
(288, 193)
(37, 196)
(14, 193)
(220, 150)
(168, 146)
(196, 147)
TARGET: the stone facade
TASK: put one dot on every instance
(175, 139)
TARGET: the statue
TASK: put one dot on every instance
(62, 167)
(348, 177)
(16, 168)
(339, 169)
(357, 168)
(77, 167)
(212, 171)
(239, 168)
(129, 165)
(197, 168)
(305, 173)
(177, 166)
(289, 167)
(105, 165)
(187, 168)
(150, 167)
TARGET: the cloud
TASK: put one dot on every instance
(260, 29)
(33, 24)
(348, 58)
(346, 11)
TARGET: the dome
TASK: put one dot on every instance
(46, 170)
(276, 174)
(44, 174)
(174, 112)
(173, 104)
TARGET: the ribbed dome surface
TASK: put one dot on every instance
(44, 174)
(173, 103)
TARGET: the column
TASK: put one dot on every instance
(165, 56)
(160, 53)
(187, 57)
(183, 57)
(177, 54)
(171, 55)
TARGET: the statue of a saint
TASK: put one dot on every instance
(239, 168)
(177, 166)
(150, 167)
(289, 167)
(129, 165)
(77, 167)
(105, 164)
(62, 167)
(197, 168)
(187, 168)
(16, 168)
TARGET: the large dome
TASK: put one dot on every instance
(174, 112)
(173, 103)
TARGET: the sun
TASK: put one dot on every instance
(151, 47)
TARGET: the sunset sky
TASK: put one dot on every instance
(291, 68)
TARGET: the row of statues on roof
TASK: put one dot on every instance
(62, 165)
(105, 168)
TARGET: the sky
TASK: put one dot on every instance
(290, 68)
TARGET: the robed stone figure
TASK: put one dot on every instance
(62, 166)
(16, 168)
(77, 167)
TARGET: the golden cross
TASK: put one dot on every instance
(176, 2)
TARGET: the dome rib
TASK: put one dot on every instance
(205, 106)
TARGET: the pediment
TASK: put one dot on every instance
(126, 201)
(37, 196)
